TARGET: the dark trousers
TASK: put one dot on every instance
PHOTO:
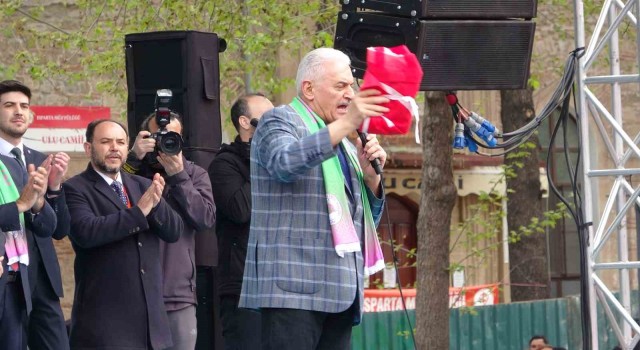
(241, 328)
(207, 310)
(13, 324)
(47, 329)
(291, 329)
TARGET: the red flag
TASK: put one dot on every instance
(397, 74)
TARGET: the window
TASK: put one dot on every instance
(562, 241)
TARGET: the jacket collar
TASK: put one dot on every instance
(133, 191)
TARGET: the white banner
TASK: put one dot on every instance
(55, 140)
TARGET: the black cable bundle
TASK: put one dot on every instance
(576, 211)
(514, 139)
(560, 99)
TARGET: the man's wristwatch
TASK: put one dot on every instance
(53, 193)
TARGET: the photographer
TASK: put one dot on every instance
(188, 191)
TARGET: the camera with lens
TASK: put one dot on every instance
(168, 142)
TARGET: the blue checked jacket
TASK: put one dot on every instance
(291, 261)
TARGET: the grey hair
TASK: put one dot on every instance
(312, 63)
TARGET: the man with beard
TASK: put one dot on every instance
(46, 322)
(231, 183)
(117, 222)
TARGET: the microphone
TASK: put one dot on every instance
(254, 122)
(374, 163)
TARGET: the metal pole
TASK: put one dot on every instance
(623, 196)
(638, 242)
(637, 15)
(638, 52)
(586, 166)
(506, 275)
(616, 107)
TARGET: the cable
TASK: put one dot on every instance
(516, 138)
(583, 236)
(560, 98)
(395, 266)
(576, 212)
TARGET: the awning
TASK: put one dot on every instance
(475, 180)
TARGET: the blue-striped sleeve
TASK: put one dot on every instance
(376, 204)
(285, 149)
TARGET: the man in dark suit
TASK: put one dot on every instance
(46, 322)
(117, 222)
(24, 213)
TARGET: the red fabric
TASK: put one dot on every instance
(398, 68)
(124, 191)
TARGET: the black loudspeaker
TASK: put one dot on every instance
(454, 54)
(448, 9)
(186, 62)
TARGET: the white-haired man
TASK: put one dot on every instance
(313, 189)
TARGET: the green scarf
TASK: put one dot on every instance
(16, 243)
(345, 238)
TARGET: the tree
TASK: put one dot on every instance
(75, 48)
(434, 220)
(527, 253)
(71, 52)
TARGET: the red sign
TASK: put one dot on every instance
(65, 117)
(381, 300)
(481, 295)
(61, 128)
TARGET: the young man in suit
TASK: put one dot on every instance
(46, 322)
(313, 189)
(117, 222)
(24, 213)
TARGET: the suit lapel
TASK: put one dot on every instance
(30, 157)
(102, 187)
(18, 173)
(133, 190)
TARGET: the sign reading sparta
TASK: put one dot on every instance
(61, 128)
(381, 300)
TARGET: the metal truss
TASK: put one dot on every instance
(600, 106)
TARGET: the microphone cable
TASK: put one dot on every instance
(395, 266)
